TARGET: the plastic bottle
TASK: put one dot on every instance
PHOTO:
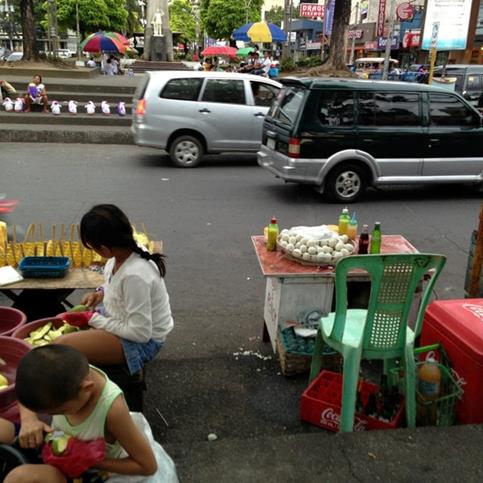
(376, 239)
(344, 219)
(352, 227)
(429, 376)
(363, 241)
(272, 234)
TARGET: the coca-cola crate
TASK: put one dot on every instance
(321, 405)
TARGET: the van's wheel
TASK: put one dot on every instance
(346, 183)
(186, 151)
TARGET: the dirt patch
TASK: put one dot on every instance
(41, 65)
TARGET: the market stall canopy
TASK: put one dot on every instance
(245, 51)
(219, 51)
(260, 32)
(105, 42)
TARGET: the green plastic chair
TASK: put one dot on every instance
(381, 331)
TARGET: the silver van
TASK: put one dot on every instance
(190, 114)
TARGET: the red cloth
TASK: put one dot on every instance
(77, 319)
(78, 457)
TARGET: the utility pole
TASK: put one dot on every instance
(287, 12)
(387, 54)
(353, 45)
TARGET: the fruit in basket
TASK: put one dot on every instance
(3, 382)
(48, 333)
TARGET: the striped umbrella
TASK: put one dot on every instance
(105, 42)
(260, 32)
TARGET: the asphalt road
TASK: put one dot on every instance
(205, 217)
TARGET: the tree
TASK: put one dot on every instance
(221, 17)
(28, 30)
(133, 22)
(94, 15)
(182, 19)
(337, 49)
(275, 15)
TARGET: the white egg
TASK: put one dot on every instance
(324, 242)
(297, 253)
(283, 244)
(344, 238)
(299, 237)
(284, 232)
(306, 256)
(312, 250)
(285, 238)
(304, 241)
(320, 250)
(313, 258)
(311, 243)
(303, 248)
(336, 255)
(289, 247)
(320, 257)
(339, 246)
(292, 240)
(332, 242)
(328, 250)
(298, 245)
(349, 247)
(326, 258)
(344, 252)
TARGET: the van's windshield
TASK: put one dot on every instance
(288, 102)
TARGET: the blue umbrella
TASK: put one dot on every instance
(260, 32)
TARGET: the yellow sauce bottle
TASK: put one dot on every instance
(272, 235)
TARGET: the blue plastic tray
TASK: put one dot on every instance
(44, 267)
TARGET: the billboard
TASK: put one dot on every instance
(311, 10)
(453, 17)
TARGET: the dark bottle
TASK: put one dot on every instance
(376, 239)
(363, 241)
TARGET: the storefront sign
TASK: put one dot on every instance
(381, 18)
(313, 45)
(405, 11)
(411, 39)
(329, 18)
(355, 34)
(371, 45)
(453, 17)
(311, 10)
(382, 41)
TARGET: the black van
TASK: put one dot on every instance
(469, 79)
(343, 135)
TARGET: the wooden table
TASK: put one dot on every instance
(292, 288)
(76, 278)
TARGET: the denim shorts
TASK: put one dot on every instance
(138, 353)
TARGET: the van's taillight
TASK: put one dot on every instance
(294, 147)
(141, 108)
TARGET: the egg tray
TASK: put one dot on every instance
(295, 354)
(308, 263)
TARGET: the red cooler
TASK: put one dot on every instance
(458, 326)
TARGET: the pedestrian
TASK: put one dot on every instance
(84, 403)
(36, 94)
(109, 67)
(7, 90)
(264, 65)
(136, 316)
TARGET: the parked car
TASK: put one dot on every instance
(190, 113)
(15, 56)
(344, 135)
(469, 79)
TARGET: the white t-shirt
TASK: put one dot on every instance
(136, 302)
(267, 62)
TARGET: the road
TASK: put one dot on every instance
(205, 217)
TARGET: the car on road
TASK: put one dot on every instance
(190, 113)
(15, 56)
(469, 79)
(344, 135)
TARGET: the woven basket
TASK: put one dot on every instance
(293, 363)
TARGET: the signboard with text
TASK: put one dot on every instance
(453, 17)
(311, 10)
(405, 11)
(382, 41)
(381, 17)
(329, 18)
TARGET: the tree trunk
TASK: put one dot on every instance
(28, 30)
(336, 64)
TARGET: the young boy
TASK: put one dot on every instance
(84, 403)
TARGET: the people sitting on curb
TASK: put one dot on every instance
(36, 94)
(7, 90)
(263, 66)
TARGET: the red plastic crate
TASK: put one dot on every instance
(321, 405)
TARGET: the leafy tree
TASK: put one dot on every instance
(94, 15)
(275, 15)
(221, 17)
(182, 19)
(133, 22)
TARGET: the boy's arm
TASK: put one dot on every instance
(140, 460)
(32, 429)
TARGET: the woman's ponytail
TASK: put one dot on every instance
(157, 258)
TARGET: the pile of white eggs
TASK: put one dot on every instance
(321, 251)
